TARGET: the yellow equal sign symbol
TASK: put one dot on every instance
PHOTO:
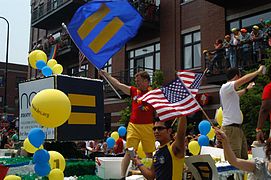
(81, 117)
(106, 34)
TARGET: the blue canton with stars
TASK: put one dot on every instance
(175, 91)
(196, 83)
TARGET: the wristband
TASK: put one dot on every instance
(139, 165)
(258, 130)
(246, 90)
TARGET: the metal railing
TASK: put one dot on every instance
(45, 8)
(219, 60)
(149, 11)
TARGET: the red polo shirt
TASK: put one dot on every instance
(139, 114)
(267, 95)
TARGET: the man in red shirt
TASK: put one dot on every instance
(265, 110)
(141, 119)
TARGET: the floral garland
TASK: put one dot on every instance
(138, 94)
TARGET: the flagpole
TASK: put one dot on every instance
(110, 85)
(197, 101)
(65, 27)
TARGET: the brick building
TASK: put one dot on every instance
(172, 37)
(16, 73)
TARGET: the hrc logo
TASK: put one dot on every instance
(81, 117)
(106, 33)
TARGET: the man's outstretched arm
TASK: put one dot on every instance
(123, 87)
(178, 146)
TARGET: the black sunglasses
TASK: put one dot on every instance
(159, 128)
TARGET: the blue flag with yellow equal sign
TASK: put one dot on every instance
(101, 28)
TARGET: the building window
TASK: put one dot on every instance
(80, 72)
(2, 81)
(108, 66)
(1, 101)
(19, 80)
(145, 58)
(191, 50)
(16, 101)
(249, 21)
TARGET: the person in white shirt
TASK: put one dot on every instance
(230, 102)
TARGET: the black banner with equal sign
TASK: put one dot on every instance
(87, 117)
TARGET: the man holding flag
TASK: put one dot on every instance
(141, 119)
(168, 160)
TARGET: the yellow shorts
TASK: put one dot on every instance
(143, 133)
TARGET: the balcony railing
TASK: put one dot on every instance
(63, 44)
(149, 10)
(45, 8)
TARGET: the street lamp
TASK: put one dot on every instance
(6, 67)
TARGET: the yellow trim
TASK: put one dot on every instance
(106, 34)
(82, 100)
(90, 23)
(82, 118)
(177, 164)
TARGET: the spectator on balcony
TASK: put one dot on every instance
(266, 33)
(244, 47)
(46, 46)
(257, 43)
(151, 8)
(39, 44)
(218, 56)
(141, 119)
(51, 39)
(227, 46)
(34, 46)
(234, 45)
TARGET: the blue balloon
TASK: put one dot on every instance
(40, 64)
(122, 131)
(203, 140)
(41, 156)
(46, 71)
(42, 169)
(110, 142)
(36, 137)
(204, 127)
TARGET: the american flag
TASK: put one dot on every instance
(191, 80)
(171, 101)
(81, 58)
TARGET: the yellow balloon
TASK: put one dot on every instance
(115, 135)
(51, 108)
(56, 174)
(57, 69)
(140, 151)
(194, 147)
(36, 55)
(211, 133)
(51, 63)
(29, 147)
(12, 177)
(57, 161)
(219, 116)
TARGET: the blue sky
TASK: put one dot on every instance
(17, 12)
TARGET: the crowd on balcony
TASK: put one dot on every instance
(45, 44)
(147, 8)
(240, 49)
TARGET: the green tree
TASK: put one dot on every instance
(157, 81)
